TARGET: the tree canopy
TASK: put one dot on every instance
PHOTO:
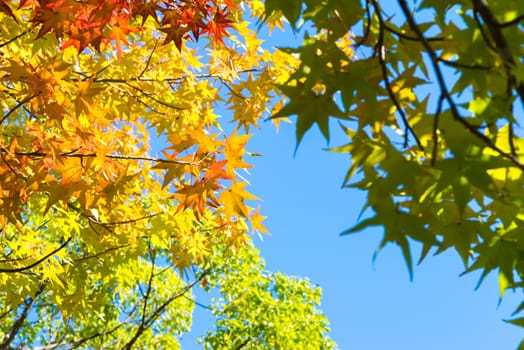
(430, 95)
(120, 189)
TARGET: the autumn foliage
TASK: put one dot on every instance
(79, 121)
(118, 183)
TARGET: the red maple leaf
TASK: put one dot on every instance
(217, 27)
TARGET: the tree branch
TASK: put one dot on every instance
(18, 105)
(512, 22)
(101, 253)
(10, 337)
(382, 61)
(143, 326)
(39, 261)
(456, 64)
(159, 310)
(243, 344)
(367, 26)
(408, 37)
(39, 154)
(12, 39)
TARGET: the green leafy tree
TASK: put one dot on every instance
(263, 310)
(430, 95)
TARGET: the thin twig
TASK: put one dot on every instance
(159, 310)
(382, 60)
(124, 222)
(18, 105)
(457, 64)
(148, 62)
(152, 97)
(512, 22)
(410, 38)
(18, 174)
(482, 32)
(101, 253)
(367, 26)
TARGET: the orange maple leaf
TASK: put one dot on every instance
(233, 200)
(256, 222)
(234, 151)
(120, 31)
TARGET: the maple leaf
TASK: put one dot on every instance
(197, 196)
(216, 171)
(120, 31)
(52, 16)
(176, 34)
(234, 151)
(87, 95)
(217, 27)
(146, 9)
(233, 199)
(256, 222)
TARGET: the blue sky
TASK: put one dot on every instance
(370, 305)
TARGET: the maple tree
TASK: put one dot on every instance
(430, 95)
(120, 189)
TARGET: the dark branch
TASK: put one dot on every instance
(18, 174)
(148, 62)
(203, 306)
(367, 26)
(408, 37)
(18, 105)
(101, 253)
(124, 222)
(10, 337)
(160, 309)
(166, 80)
(152, 97)
(382, 60)
(243, 344)
(38, 154)
(143, 326)
(484, 35)
(13, 39)
(457, 64)
(512, 22)
(39, 261)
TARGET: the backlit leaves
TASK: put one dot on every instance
(434, 108)
(120, 192)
